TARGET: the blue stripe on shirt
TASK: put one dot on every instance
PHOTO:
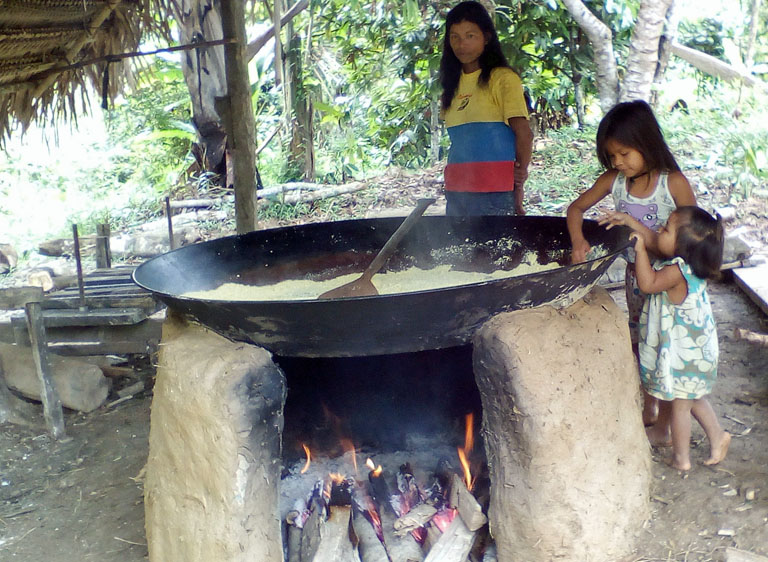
(481, 142)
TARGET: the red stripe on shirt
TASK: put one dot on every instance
(480, 177)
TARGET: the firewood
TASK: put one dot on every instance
(293, 536)
(400, 547)
(335, 545)
(463, 500)
(417, 517)
(369, 546)
(752, 337)
(311, 534)
(454, 545)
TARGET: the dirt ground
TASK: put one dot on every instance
(81, 499)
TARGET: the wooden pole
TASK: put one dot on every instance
(240, 123)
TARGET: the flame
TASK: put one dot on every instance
(309, 458)
(469, 438)
(376, 470)
(469, 444)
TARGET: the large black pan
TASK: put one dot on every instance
(380, 324)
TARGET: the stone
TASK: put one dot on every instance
(80, 385)
(569, 461)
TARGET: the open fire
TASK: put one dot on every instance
(370, 513)
(392, 493)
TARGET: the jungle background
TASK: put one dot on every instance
(354, 94)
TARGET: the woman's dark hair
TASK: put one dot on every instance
(450, 66)
(700, 241)
(633, 124)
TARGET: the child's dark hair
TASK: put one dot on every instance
(700, 241)
(633, 124)
(450, 66)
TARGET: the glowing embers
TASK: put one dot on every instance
(388, 515)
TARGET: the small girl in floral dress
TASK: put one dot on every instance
(678, 347)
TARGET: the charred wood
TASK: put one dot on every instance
(400, 547)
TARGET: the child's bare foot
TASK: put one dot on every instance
(718, 449)
(678, 464)
(658, 437)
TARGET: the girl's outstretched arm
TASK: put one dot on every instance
(651, 281)
(575, 215)
(616, 218)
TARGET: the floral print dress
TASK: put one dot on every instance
(678, 342)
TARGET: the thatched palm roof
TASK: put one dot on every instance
(46, 46)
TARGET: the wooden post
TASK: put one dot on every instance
(170, 223)
(241, 127)
(103, 251)
(29, 298)
(79, 263)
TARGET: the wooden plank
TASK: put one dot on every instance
(57, 318)
(144, 301)
(16, 297)
(754, 282)
(143, 337)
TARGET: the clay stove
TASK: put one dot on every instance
(560, 427)
(555, 376)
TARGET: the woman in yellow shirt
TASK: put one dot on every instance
(486, 116)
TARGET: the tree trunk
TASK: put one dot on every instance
(667, 40)
(754, 20)
(204, 73)
(644, 50)
(600, 37)
(239, 119)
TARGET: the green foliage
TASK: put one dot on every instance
(153, 126)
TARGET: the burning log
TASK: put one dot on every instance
(369, 547)
(454, 545)
(415, 519)
(463, 500)
(400, 547)
(318, 513)
(335, 544)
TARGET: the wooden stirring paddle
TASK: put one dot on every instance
(362, 286)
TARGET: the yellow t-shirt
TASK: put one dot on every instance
(483, 146)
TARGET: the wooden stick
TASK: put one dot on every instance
(752, 337)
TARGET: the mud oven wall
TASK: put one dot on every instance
(566, 448)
